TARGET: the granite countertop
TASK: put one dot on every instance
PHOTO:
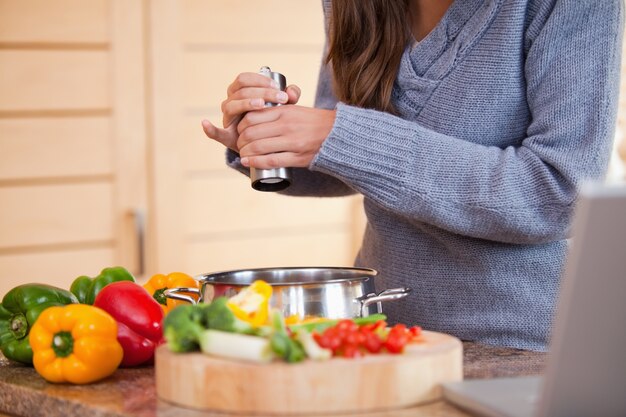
(132, 393)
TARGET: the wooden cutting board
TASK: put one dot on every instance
(373, 382)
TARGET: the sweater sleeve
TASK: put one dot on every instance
(520, 194)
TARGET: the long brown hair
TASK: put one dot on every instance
(366, 42)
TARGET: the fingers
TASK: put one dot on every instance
(254, 80)
(227, 137)
(275, 160)
(259, 117)
(258, 133)
(266, 146)
(249, 99)
(232, 110)
(250, 79)
(270, 95)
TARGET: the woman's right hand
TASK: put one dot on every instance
(250, 91)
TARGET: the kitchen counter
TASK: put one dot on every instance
(131, 392)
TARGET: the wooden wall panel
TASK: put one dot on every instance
(58, 268)
(32, 80)
(55, 214)
(311, 249)
(54, 21)
(226, 223)
(199, 152)
(129, 139)
(73, 150)
(207, 74)
(252, 23)
(200, 207)
(222, 204)
(166, 168)
(54, 147)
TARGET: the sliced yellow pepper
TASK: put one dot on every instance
(157, 285)
(296, 319)
(293, 319)
(252, 303)
(75, 343)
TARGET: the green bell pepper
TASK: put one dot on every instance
(86, 288)
(19, 310)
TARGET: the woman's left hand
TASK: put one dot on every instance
(284, 136)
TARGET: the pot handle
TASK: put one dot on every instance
(173, 293)
(386, 295)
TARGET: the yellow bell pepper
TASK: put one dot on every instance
(252, 303)
(75, 343)
(157, 285)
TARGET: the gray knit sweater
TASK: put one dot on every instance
(505, 107)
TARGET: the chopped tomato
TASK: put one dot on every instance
(351, 351)
(349, 340)
(398, 338)
(372, 343)
(415, 331)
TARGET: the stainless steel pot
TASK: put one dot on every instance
(330, 292)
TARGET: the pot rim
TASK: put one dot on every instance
(247, 276)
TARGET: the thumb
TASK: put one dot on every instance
(293, 91)
(227, 137)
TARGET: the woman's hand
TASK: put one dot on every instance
(250, 91)
(285, 136)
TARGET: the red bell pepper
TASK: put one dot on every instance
(139, 318)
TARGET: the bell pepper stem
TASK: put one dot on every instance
(19, 326)
(63, 344)
(159, 296)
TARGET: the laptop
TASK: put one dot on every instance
(586, 365)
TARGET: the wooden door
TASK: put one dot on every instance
(207, 218)
(72, 137)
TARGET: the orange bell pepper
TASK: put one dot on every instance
(75, 343)
(252, 303)
(157, 285)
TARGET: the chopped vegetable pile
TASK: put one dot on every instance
(350, 340)
(245, 328)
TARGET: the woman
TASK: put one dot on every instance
(468, 130)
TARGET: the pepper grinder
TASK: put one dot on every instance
(275, 179)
